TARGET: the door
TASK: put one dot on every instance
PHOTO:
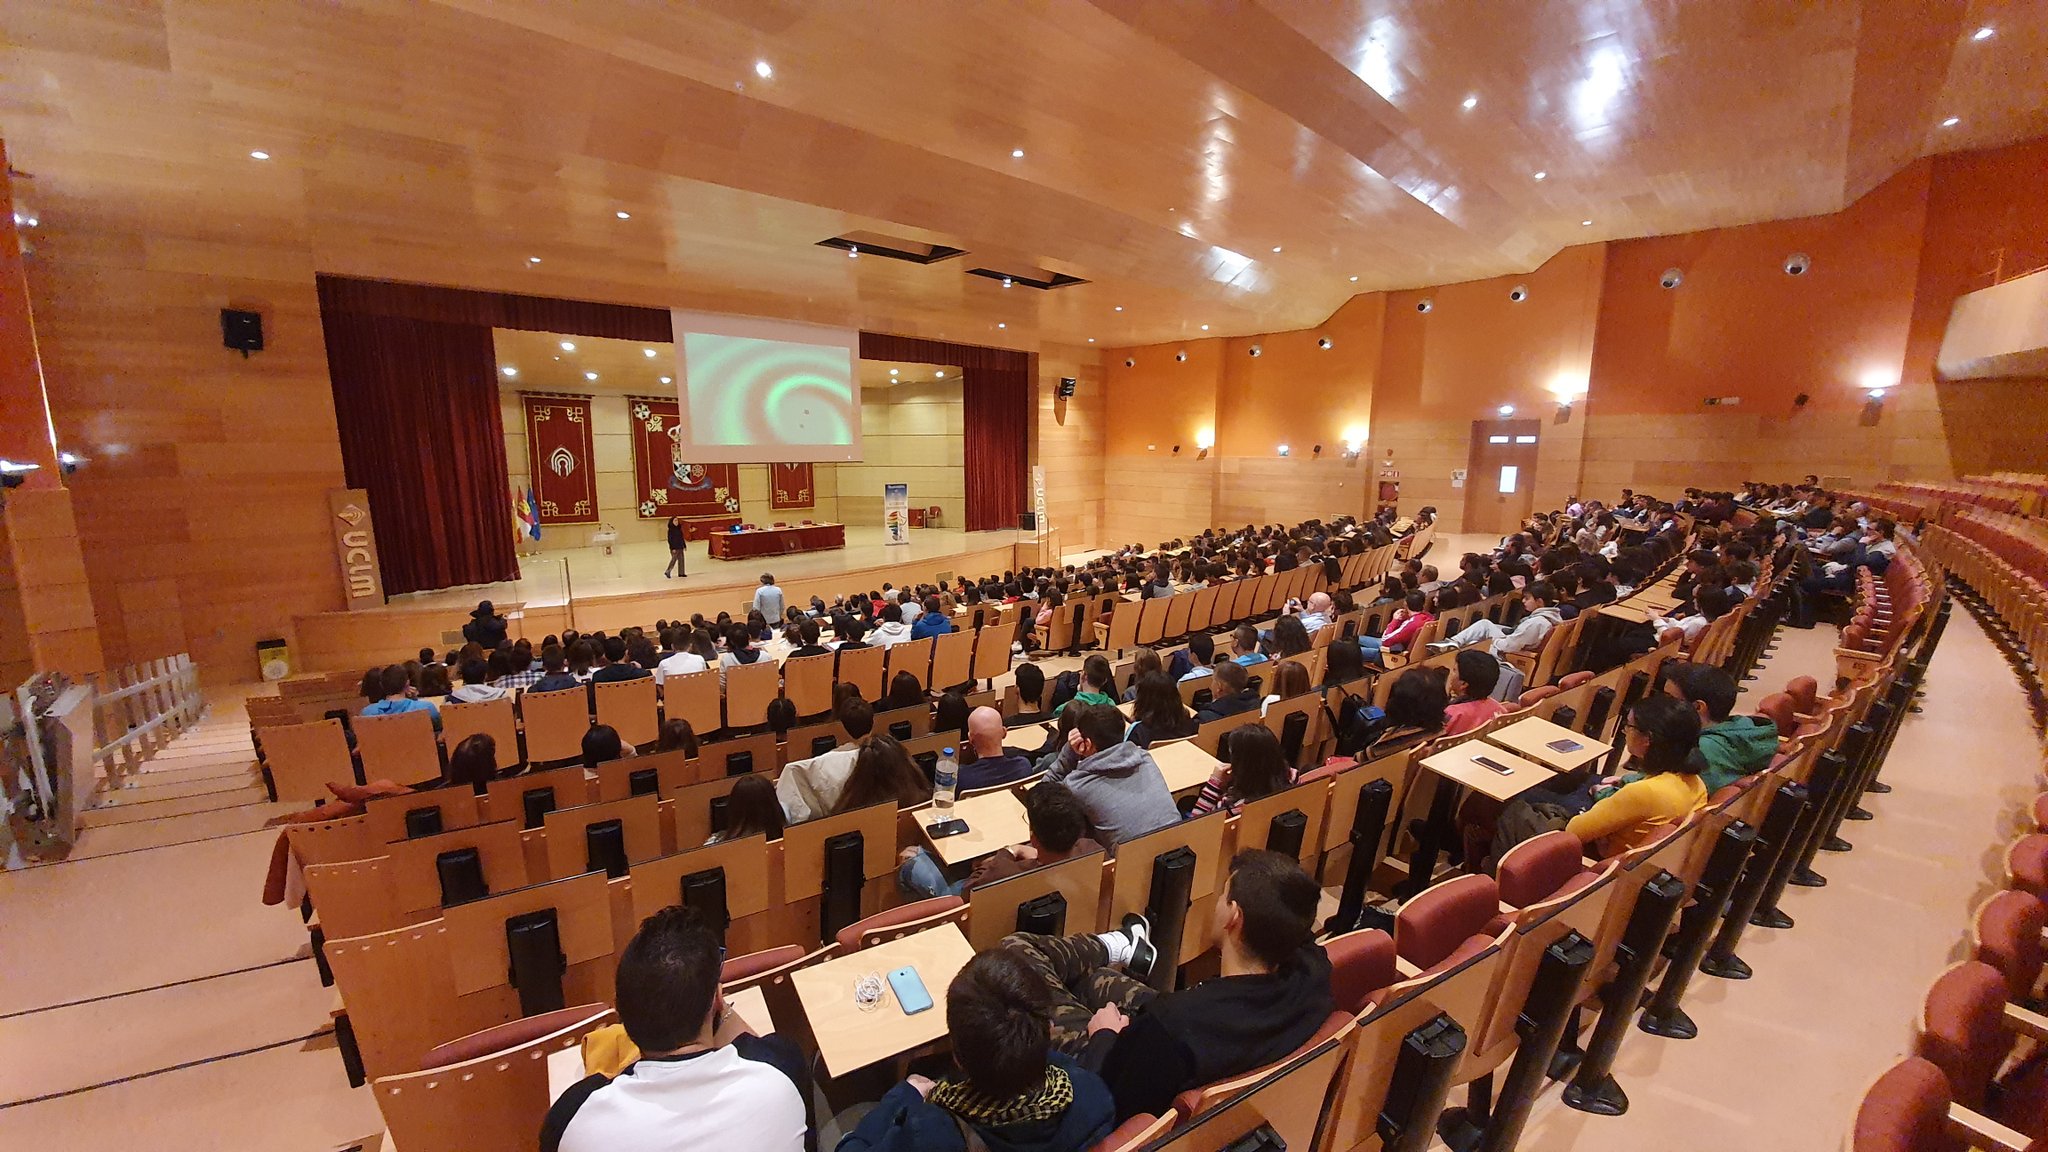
(1500, 476)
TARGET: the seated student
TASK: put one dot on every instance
(1253, 766)
(904, 692)
(883, 772)
(1014, 1094)
(1403, 627)
(809, 633)
(1030, 697)
(1159, 713)
(700, 1081)
(1234, 693)
(1598, 575)
(396, 685)
(1471, 685)
(1415, 709)
(1059, 832)
(892, 630)
(476, 687)
(1246, 642)
(1874, 550)
(1097, 682)
(1343, 664)
(1539, 599)
(934, 622)
(1271, 996)
(992, 764)
(602, 745)
(1144, 662)
(1661, 790)
(1118, 784)
(555, 675)
(811, 787)
(1201, 656)
(1731, 746)
(751, 809)
(615, 666)
(1709, 603)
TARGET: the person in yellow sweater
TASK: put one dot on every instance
(1660, 788)
(1663, 742)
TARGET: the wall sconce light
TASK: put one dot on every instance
(1283, 449)
(1204, 440)
(14, 474)
(69, 462)
(1354, 441)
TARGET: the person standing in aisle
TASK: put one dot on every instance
(678, 549)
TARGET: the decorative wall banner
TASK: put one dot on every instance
(559, 458)
(706, 496)
(895, 513)
(791, 486)
(355, 545)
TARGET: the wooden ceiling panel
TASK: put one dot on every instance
(1169, 148)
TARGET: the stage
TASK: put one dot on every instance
(585, 589)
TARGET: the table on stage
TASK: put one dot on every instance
(777, 541)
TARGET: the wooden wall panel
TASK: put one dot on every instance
(1068, 441)
(1154, 497)
(910, 434)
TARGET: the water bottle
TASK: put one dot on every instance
(945, 777)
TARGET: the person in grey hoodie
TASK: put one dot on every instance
(1539, 600)
(892, 630)
(1122, 789)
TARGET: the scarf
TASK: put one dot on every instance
(1045, 1102)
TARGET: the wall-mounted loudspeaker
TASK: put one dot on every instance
(241, 331)
(1067, 386)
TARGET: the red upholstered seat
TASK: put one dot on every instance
(1435, 924)
(1361, 967)
(1127, 1134)
(1541, 868)
(2009, 939)
(2027, 861)
(849, 936)
(512, 1034)
(1572, 681)
(1536, 696)
(1906, 1111)
(755, 963)
(1962, 1029)
(1195, 1101)
(1805, 694)
(2041, 811)
(1781, 710)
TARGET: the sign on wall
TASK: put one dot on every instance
(1038, 498)
(895, 513)
(559, 458)
(355, 545)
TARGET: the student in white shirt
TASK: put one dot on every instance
(694, 653)
(700, 1081)
(1709, 603)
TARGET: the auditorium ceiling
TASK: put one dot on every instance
(1242, 166)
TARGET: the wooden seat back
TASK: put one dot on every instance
(864, 668)
(992, 651)
(555, 723)
(694, 696)
(400, 747)
(953, 659)
(353, 897)
(912, 656)
(630, 707)
(807, 681)
(303, 759)
(493, 718)
(496, 1100)
(749, 688)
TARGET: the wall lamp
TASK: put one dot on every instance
(14, 474)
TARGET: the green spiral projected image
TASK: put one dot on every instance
(745, 392)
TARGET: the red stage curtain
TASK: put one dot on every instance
(996, 390)
(417, 405)
(494, 309)
(706, 496)
(560, 459)
(790, 486)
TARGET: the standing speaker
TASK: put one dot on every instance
(1067, 386)
(241, 331)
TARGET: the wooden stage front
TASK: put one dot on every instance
(582, 588)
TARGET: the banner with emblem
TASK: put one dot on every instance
(559, 458)
(790, 486)
(706, 496)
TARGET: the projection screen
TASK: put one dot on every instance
(754, 390)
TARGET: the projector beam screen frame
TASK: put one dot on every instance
(754, 390)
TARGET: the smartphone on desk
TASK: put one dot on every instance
(940, 829)
(910, 991)
(1564, 745)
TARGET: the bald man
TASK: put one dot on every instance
(993, 764)
(1313, 616)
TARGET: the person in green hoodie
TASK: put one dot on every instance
(1733, 746)
(1097, 684)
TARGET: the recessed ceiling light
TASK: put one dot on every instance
(1091, 339)
(1002, 325)
(892, 371)
(623, 215)
(942, 373)
(1471, 102)
(763, 69)
(1119, 307)
(568, 347)
(1542, 176)
(1354, 279)
(648, 352)
(853, 253)
(1984, 33)
(1006, 281)
(259, 155)
(1205, 327)
(1276, 247)
(590, 375)
(1016, 153)
(533, 259)
(1507, 409)
(1585, 223)
(509, 370)
(668, 379)
(1951, 122)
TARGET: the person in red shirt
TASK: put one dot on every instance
(1472, 687)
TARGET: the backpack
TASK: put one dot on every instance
(1065, 687)
(1179, 666)
(1358, 723)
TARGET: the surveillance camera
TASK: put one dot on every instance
(1424, 304)
(1797, 263)
(1255, 349)
(1518, 293)
(1324, 344)
(1130, 363)
(1671, 278)
(1180, 355)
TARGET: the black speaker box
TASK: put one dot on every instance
(241, 331)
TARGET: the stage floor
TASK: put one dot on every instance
(552, 575)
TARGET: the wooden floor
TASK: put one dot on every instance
(150, 1000)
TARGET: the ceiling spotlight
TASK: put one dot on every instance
(590, 375)
(568, 347)
(533, 259)
(509, 370)
(1276, 247)
(1506, 410)
(668, 379)
(1325, 343)
(1542, 176)
(763, 70)
(1254, 350)
(853, 252)
(648, 352)
(1181, 355)
(1006, 281)
(259, 155)
(1585, 223)
(942, 373)
(1091, 339)
(1876, 393)
(1354, 279)
(1205, 327)
(1016, 153)
(892, 371)
(1119, 307)
(1951, 122)
(1984, 33)
(1001, 325)
(1518, 293)
(1471, 102)
(623, 215)
(1283, 449)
